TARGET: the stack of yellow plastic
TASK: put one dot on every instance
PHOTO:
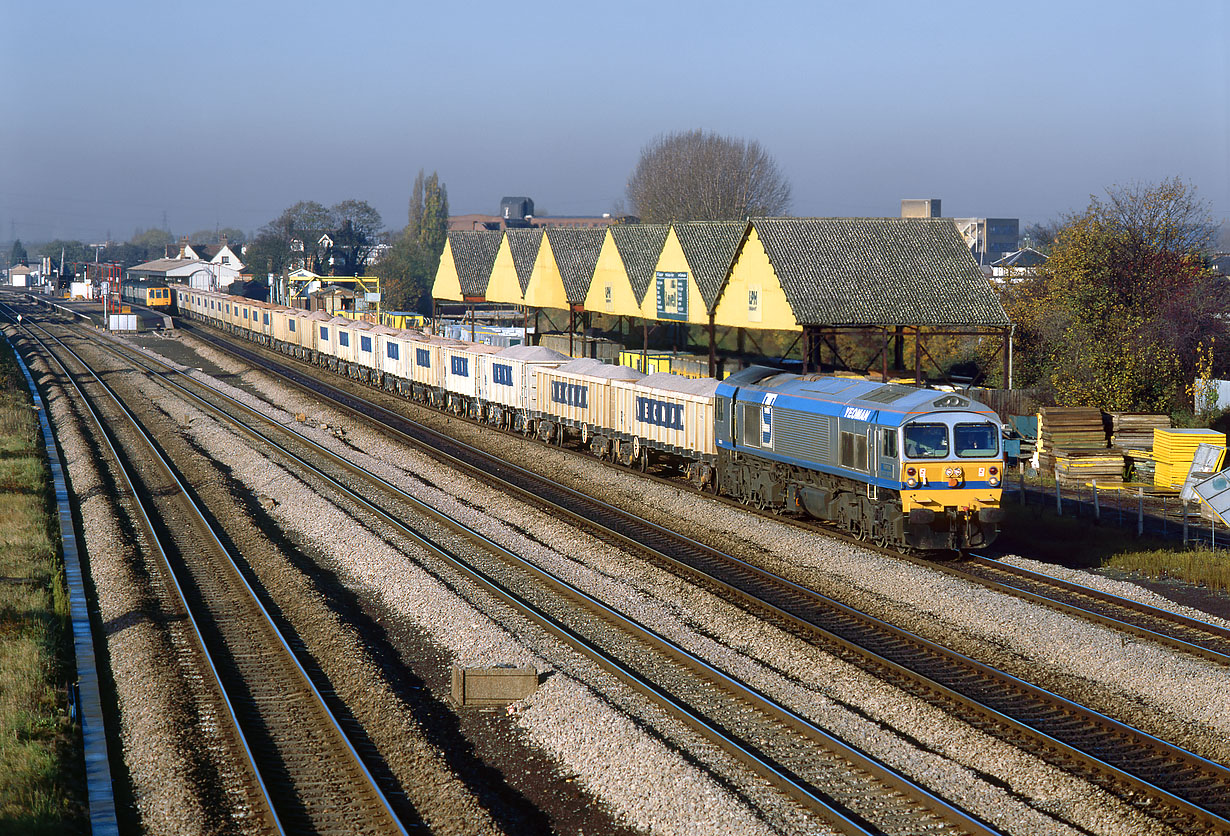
(1175, 449)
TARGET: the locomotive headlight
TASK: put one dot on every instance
(994, 480)
(949, 472)
(910, 480)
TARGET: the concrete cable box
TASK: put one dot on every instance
(492, 686)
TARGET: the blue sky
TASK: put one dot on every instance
(226, 113)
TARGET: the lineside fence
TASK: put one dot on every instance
(1164, 516)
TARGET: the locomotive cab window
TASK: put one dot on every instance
(888, 444)
(926, 441)
(974, 441)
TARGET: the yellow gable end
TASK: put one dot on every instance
(447, 285)
(503, 288)
(546, 286)
(753, 297)
(679, 290)
(611, 290)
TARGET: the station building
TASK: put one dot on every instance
(898, 279)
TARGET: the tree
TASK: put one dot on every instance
(433, 220)
(701, 176)
(1041, 236)
(72, 251)
(235, 238)
(415, 220)
(18, 254)
(292, 239)
(406, 273)
(1115, 316)
(358, 230)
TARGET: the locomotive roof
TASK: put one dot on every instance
(844, 391)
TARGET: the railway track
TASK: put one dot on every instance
(1179, 787)
(851, 791)
(1189, 635)
(304, 772)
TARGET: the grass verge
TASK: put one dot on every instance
(1034, 531)
(41, 782)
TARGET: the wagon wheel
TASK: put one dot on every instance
(585, 434)
(642, 463)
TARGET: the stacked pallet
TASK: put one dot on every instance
(1175, 449)
(1084, 468)
(1068, 430)
(1132, 431)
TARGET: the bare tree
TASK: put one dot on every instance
(1166, 216)
(701, 176)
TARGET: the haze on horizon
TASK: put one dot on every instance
(136, 115)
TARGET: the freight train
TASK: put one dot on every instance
(907, 467)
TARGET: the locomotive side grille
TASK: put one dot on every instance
(802, 435)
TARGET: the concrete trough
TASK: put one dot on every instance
(477, 687)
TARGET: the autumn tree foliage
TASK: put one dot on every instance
(1114, 318)
(701, 176)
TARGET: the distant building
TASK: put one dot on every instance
(989, 239)
(518, 213)
(23, 276)
(219, 254)
(1021, 264)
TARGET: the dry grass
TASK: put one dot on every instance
(40, 758)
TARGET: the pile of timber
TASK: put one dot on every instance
(1071, 430)
(1106, 468)
(1132, 431)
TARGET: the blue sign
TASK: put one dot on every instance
(570, 394)
(422, 356)
(672, 295)
(659, 413)
(461, 366)
(501, 373)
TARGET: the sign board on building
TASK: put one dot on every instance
(672, 295)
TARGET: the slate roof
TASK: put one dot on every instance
(879, 271)
(709, 247)
(576, 255)
(1028, 257)
(524, 245)
(640, 247)
(474, 256)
